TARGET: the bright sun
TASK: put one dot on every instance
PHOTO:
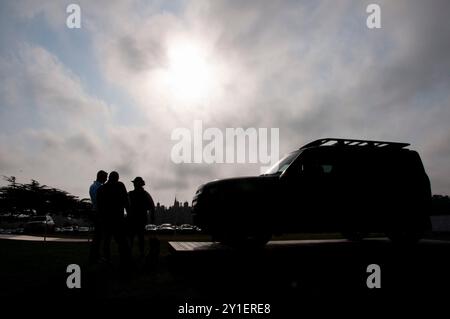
(189, 75)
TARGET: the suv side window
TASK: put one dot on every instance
(327, 168)
(316, 166)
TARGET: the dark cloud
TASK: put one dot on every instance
(140, 57)
(82, 143)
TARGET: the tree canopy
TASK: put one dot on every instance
(34, 198)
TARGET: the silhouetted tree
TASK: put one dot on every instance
(39, 199)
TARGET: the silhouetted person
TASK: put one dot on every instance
(96, 218)
(141, 205)
(151, 260)
(112, 200)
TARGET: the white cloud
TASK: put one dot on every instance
(58, 137)
(312, 69)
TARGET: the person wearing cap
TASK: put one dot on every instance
(141, 205)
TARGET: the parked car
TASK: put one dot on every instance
(40, 224)
(350, 186)
(6, 231)
(186, 229)
(166, 229)
(150, 227)
(67, 229)
(19, 230)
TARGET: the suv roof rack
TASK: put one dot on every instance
(351, 142)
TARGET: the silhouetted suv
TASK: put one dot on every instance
(350, 186)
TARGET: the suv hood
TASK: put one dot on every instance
(242, 184)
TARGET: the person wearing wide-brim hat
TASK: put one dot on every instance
(138, 181)
(141, 205)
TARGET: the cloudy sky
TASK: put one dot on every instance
(109, 95)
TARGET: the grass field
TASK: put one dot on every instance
(36, 270)
(30, 269)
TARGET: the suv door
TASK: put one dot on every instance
(310, 184)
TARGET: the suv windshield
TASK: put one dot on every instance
(282, 164)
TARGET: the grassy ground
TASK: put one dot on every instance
(31, 268)
(38, 270)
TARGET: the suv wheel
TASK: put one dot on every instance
(404, 237)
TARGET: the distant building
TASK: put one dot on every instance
(176, 214)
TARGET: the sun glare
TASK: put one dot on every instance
(189, 75)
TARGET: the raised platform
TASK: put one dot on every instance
(298, 269)
(195, 246)
(180, 246)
